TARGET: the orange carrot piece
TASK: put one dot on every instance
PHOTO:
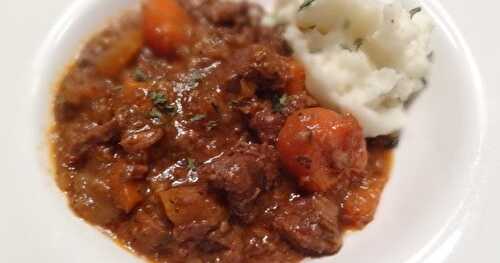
(125, 194)
(166, 26)
(318, 146)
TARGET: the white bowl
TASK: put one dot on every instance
(433, 209)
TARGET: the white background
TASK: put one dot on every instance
(31, 229)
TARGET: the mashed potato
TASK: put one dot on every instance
(364, 57)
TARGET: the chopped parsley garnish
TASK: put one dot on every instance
(430, 56)
(345, 47)
(308, 28)
(197, 75)
(424, 81)
(191, 164)
(305, 4)
(234, 103)
(169, 108)
(347, 24)
(414, 11)
(194, 78)
(117, 88)
(279, 103)
(283, 99)
(160, 102)
(211, 125)
(139, 75)
(215, 107)
(157, 98)
(155, 114)
(198, 117)
(358, 43)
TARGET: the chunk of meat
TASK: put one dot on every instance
(91, 137)
(264, 245)
(193, 231)
(225, 243)
(261, 65)
(92, 199)
(267, 120)
(167, 26)
(267, 124)
(146, 230)
(298, 101)
(184, 205)
(229, 14)
(135, 171)
(127, 194)
(320, 147)
(310, 225)
(192, 210)
(243, 173)
(138, 140)
(220, 239)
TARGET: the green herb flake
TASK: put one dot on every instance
(212, 125)
(415, 11)
(358, 43)
(430, 56)
(234, 103)
(197, 75)
(279, 103)
(157, 98)
(305, 4)
(198, 117)
(308, 28)
(215, 107)
(424, 81)
(283, 99)
(155, 114)
(345, 47)
(117, 88)
(347, 24)
(172, 108)
(194, 78)
(191, 164)
(139, 75)
(160, 102)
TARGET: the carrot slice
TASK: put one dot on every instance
(125, 194)
(319, 146)
(166, 26)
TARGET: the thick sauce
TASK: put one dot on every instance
(174, 149)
